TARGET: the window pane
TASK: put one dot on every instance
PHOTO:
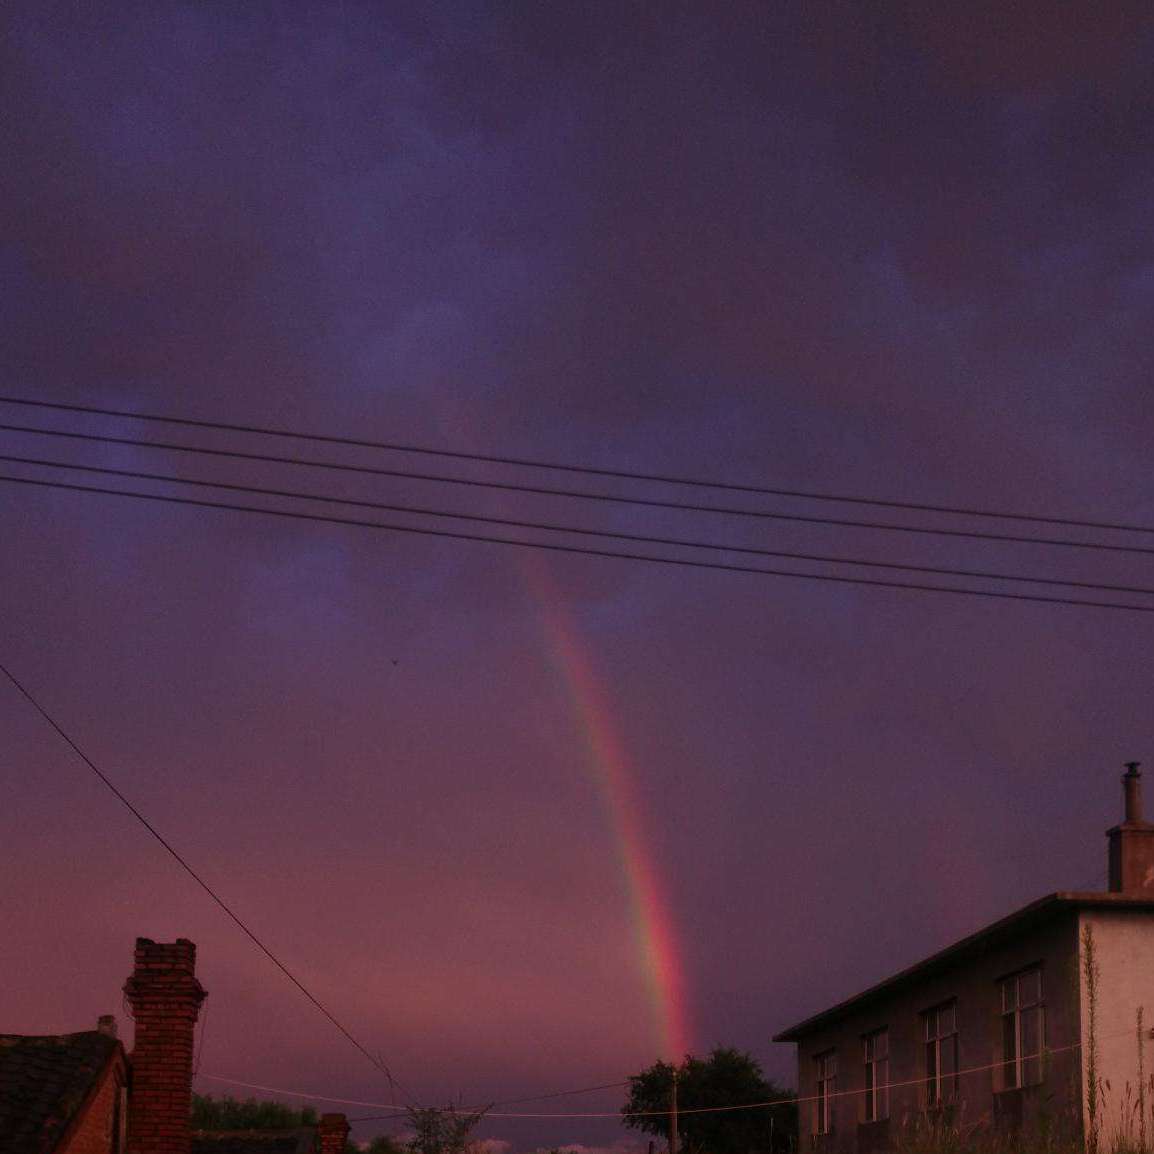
(1030, 988)
(1010, 1050)
(932, 1071)
(883, 1110)
(949, 1062)
(882, 1044)
(868, 1046)
(1031, 1031)
(946, 1022)
(1009, 994)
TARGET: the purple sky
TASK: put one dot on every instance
(890, 253)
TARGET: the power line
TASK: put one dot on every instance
(564, 1093)
(556, 547)
(554, 1094)
(310, 1095)
(200, 1040)
(611, 497)
(587, 470)
(791, 1100)
(22, 689)
(794, 1100)
(678, 542)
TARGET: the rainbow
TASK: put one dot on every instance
(650, 911)
(652, 920)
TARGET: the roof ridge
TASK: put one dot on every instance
(1041, 907)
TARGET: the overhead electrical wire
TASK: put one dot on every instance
(184, 864)
(306, 1094)
(309, 1095)
(508, 522)
(564, 1093)
(791, 1100)
(200, 1040)
(587, 470)
(558, 547)
(614, 498)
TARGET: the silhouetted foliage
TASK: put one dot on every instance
(386, 1144)
(444, 1130)
(727, 1077)
(209, 1113)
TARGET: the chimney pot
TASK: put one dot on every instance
(106, 1024)
(1132, 788)
(1131, 854)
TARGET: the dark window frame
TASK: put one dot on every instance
(1022, 1011)
(826, 1085)
(940, 1053)
(876, 1061)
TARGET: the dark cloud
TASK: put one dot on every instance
(898, 252)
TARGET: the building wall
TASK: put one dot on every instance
(96, 1130)
(973, 982)
(1124, 948)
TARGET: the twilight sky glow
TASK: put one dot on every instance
(527, 821)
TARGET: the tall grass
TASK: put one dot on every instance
(1141, 1080)
(1050, 1133)
(1093, 1084)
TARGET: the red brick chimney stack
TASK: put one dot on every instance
(165, 998)
(334, 1133)
(1132, 843)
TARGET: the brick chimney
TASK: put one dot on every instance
(1132, 843)
(333, 1131)
(165, 998)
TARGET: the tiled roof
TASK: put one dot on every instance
(300, 1141)
(43, 1082)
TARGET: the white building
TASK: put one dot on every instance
(995, 1031)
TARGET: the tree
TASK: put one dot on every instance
(727, 1077)
(386, 1144)
(209, 1113)
(442, 1131)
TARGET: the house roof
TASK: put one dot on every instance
(302, 1140)
(44, 1081)
(1018, 922)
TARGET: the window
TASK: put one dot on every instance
(940, 1026)
(826, 1085)
(1023, 1027)
(876, 1056)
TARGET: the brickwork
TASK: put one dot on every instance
(95, 1132)
(165, 998)
(333, 1132)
